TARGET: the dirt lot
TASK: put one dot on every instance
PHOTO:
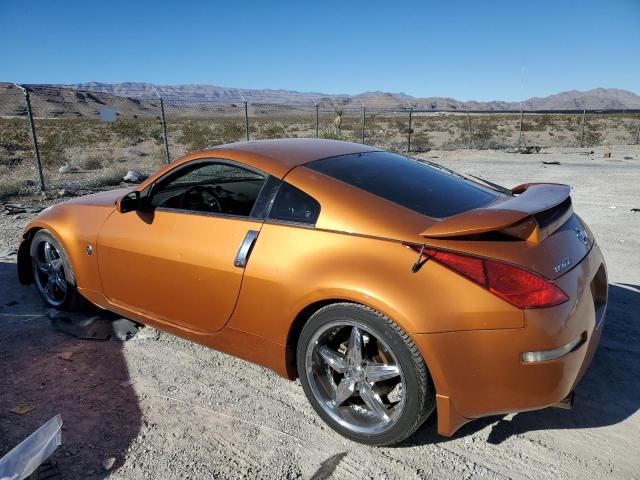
(195, 413)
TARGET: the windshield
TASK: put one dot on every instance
(429, 190)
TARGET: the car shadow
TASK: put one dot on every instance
(608, 394)
(85, 381)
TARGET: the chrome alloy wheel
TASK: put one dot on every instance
(48, 272)
(355, 377)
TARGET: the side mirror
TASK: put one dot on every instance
(129, 203)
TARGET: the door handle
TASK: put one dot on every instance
(245, 249)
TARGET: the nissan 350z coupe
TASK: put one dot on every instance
(391, 287)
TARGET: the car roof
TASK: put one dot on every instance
(278, 157)
(275, 157)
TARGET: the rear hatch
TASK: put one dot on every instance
(534, 227)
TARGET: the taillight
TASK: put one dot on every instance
(517, 286)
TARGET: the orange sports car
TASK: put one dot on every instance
(390, 286)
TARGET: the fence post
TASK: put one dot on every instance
(34, 138)
(164, 131)
(638, 133)
(409, 134)
(363, 121)
(468, 130)
(246, 119)
(520, 134)
(584, 119)
(317, 120)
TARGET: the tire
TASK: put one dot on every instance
(379, 398)
(61, 293)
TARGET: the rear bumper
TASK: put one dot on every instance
(481, 372)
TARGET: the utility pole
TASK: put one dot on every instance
(246, 119)
(409, 133)
(246, 115)
(468, 130)
(164, 127)
(34, 138)
(520, 135)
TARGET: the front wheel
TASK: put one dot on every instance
(52, 273)
(363, 375)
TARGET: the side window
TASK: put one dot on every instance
(293, 205)
(209, 187)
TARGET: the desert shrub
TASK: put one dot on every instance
(401, 124)
(155, 133)
(374, 122)
(129, 130)
(6, 158)
(233, 132)
(572, 122)
(14, 134)
(92, 162)
(52, 151)
(356, 131)
(331, 134)
(632, 126)
(544, 121)
(197, 136)
(271, 130)
(106, 177)
(483, 131)
(12, 181)
(420, 142)
(592, 136)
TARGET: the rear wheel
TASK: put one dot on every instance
(52, 273)
(363, 375)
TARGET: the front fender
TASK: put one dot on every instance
(75, 226)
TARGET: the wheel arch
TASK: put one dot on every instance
(24, 250)
(25, 273)
(295, 329)
(305, 314)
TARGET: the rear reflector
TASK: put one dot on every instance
(546, 355)
(516, 285)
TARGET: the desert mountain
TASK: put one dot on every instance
(86, 99)
(599, 98)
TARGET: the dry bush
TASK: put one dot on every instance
(271, 130)
(92, 162)
(420, 142)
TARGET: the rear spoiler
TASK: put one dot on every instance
(514, 216)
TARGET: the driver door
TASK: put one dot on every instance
(174, 261)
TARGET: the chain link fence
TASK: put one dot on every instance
(67, 138)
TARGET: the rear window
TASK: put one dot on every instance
(410, 183)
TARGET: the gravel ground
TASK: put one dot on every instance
(165, 408)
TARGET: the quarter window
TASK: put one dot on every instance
(293, 205)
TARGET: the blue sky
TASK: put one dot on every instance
(462, 49)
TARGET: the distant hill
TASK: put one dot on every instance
(86, 99)
(599, 98)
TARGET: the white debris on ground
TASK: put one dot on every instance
(134, 177)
